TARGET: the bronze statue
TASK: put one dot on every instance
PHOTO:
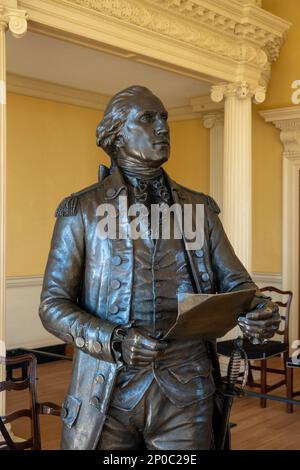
(115, 299)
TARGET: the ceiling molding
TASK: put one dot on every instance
(212, 40)
(290, 113)
(55, 92)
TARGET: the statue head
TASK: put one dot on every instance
(134, 129)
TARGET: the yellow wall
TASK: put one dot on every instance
(189, 162)
(267, 149)
(51, 153)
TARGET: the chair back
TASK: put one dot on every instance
(284, 309)
(29, 382)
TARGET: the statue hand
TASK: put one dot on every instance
(261, 323)
(139, 348)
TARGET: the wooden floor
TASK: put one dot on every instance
(270, 428)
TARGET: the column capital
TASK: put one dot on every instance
(240, 90)
(13, 19)
(213, 118)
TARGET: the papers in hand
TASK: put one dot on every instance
(208, 316)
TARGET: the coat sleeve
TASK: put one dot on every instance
(59, 310)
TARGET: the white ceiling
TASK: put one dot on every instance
(46, 58)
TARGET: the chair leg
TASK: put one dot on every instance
(289, 388)
(250, 377)
(263, 382)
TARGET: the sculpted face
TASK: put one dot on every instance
(145, 137)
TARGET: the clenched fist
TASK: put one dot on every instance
(139, 348)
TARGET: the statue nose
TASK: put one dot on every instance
(161, 131)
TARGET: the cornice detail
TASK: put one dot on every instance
(240, 32)
(287, 120)
(240, 90)
(15, 20)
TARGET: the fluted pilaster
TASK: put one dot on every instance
(215, 123)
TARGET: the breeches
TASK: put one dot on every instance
(156, 424)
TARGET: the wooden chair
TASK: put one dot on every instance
(34, 441)
(263, 352)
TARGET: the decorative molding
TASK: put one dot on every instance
(267, 279)
(55, 92)
(23, 325)
(14, 19)
(75, 96)
(240, 90)
(287, 120)
(24, 281)
(217, 41)
(154, 15)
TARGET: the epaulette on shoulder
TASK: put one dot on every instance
(212, 204)
(69, 206)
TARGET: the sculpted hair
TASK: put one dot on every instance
(115, 115)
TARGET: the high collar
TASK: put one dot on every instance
(114, 183)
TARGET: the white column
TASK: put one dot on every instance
(214, 121)
(237, 181)
(287, 121)
(15, 20)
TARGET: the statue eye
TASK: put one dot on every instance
(147, 117)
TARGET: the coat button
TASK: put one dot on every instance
(156, 267)
(68, 338)
(116, 260)
(113, 309)
(95, 401)
(205, 277)
(115, 284)
(159, 301)
(97, 346)
(199, 253)
(79, 342)
(110, 192)
(100, 379)
(64, 412)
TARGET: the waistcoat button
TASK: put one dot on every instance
(110, 192)
(199, 253)
(115, 284)
(100, 379)
(116, 260)
(95, 401)
(205, 277)
(113, 309)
